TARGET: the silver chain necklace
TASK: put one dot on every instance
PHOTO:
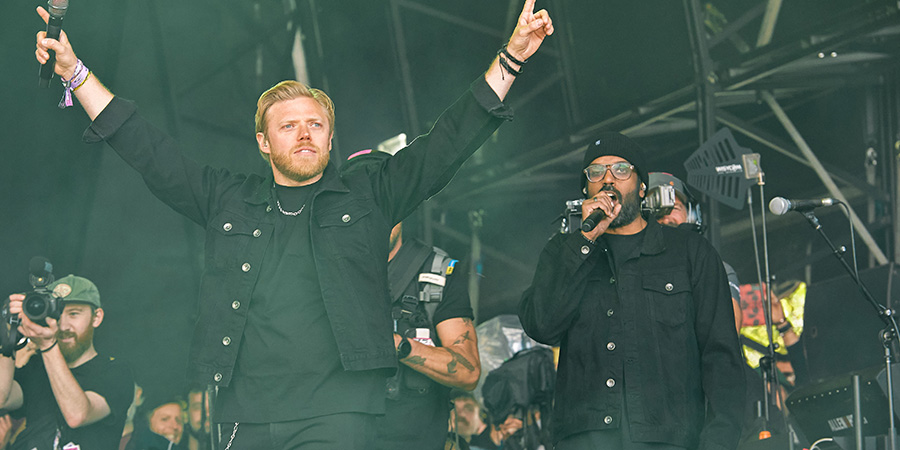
(289, 213)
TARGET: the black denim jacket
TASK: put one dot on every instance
(661, 326)
(351, 221)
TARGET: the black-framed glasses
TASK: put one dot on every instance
(620, 171)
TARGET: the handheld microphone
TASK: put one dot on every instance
(781, 205)
(592, 220)
(57, 10)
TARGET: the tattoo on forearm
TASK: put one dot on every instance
(463, 338)
(415, 361)
(457, 358)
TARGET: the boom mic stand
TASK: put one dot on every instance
(888, 334)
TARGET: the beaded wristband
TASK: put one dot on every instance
(81, 75)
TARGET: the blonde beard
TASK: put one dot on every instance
(286, 166)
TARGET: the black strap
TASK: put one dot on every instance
(405, 267)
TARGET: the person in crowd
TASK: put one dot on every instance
(198, 430)
(160, 426)
(473, 424)
(68, 392)
(433, 332)
(136, 403)
(649, 357)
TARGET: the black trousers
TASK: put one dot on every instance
(346, 431)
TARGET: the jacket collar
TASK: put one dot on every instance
(262, 193)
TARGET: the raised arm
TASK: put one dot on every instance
(92, 95)
(531, 29)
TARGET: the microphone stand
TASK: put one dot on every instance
(767, 362)
(888, 334)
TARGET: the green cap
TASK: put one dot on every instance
(72, 289)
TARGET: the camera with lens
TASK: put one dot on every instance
(41, 303)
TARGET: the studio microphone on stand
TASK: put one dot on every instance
(780, 205)
(57, 10)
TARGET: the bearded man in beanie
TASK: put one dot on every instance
(67, 392)
(642, 313)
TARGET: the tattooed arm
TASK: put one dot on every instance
(456, 364)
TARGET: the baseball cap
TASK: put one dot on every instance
(74, 289)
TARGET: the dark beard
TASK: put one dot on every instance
(81, 344)
(631, 209)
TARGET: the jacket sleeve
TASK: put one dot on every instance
(550, 305)
(722, 364)
(178, 181)
(429, 162)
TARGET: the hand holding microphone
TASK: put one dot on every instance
(598, 211)
(62, 60)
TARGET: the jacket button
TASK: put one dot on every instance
(610, 312)
(669, 287)
(345, 218)
(585, 249)
(226, 341)
(612, 280)
(269, 208)
(227, 226)
(257, 233)
(610, 382)
(607, 420)
(245, 267)
(217, 377)
(235, 304)
(611, 346)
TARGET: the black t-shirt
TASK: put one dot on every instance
(288, 366)
(109, 378)
(417, 419)
(624, 247)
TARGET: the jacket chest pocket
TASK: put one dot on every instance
(347, 226)
(230, 240)
(668, 296)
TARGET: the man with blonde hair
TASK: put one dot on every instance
(295, 326)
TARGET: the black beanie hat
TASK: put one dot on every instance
(617, 144)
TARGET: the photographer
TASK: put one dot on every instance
(69, 394)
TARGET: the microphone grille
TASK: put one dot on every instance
(57, 8)
(779, 205)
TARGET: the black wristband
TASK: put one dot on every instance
(512, 58)
(505, 64)
(785, 328)
(48, 348)
(404, 348)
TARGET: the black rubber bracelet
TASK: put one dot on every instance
(48, 348)
(508, 68)
(785, 328)
(512, 58)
